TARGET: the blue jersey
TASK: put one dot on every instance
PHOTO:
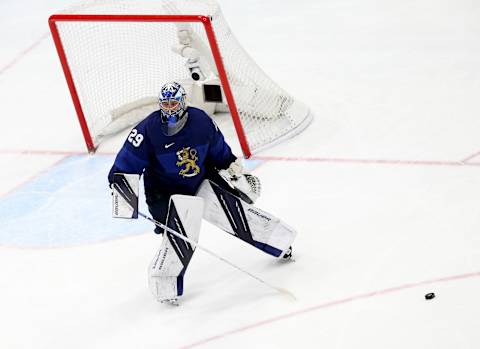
(174, 164)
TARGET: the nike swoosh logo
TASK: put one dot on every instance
(169, 145)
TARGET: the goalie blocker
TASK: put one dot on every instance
(125, 195)
(213, 203)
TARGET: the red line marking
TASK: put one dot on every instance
(51, 152)
(366, 161)
(275, 158)
(64, 155)
(471, 157)
(23, 53)
(328, 305)
(31, 178)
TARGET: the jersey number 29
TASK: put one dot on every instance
(135, 138)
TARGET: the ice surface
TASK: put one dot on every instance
(383, 188)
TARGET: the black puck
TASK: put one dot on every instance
(430, 295)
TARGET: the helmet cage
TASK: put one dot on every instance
(172, 103)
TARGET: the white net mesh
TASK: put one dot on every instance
(119, 66)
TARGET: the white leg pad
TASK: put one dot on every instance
(166, 271)
(245, 221)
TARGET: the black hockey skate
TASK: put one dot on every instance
(288, 256)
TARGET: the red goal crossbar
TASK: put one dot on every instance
(207, 23)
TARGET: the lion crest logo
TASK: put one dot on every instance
(188, 157)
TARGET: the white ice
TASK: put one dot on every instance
(383, 189)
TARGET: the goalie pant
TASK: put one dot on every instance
(223, 209)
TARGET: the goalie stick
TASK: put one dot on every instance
(125, 205)
(283, 291)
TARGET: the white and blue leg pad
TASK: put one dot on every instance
(245, 221)
(166, 271)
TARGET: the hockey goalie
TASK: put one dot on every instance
(190, 174)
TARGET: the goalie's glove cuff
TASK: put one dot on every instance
(235, 169)
(247, 184)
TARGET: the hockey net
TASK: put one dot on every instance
(117, 54)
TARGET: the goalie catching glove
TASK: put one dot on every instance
(248, 186)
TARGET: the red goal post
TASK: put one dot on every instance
(116, 54)
(144, 18)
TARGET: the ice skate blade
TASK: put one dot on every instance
(172, 301)
(288, 257)
(288, 260)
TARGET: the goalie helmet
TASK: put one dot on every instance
(173, 108)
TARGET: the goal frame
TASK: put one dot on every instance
(207, 24)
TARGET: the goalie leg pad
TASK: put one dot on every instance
(167, 269)
(246, 222)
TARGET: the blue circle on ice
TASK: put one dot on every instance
(68, 205)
